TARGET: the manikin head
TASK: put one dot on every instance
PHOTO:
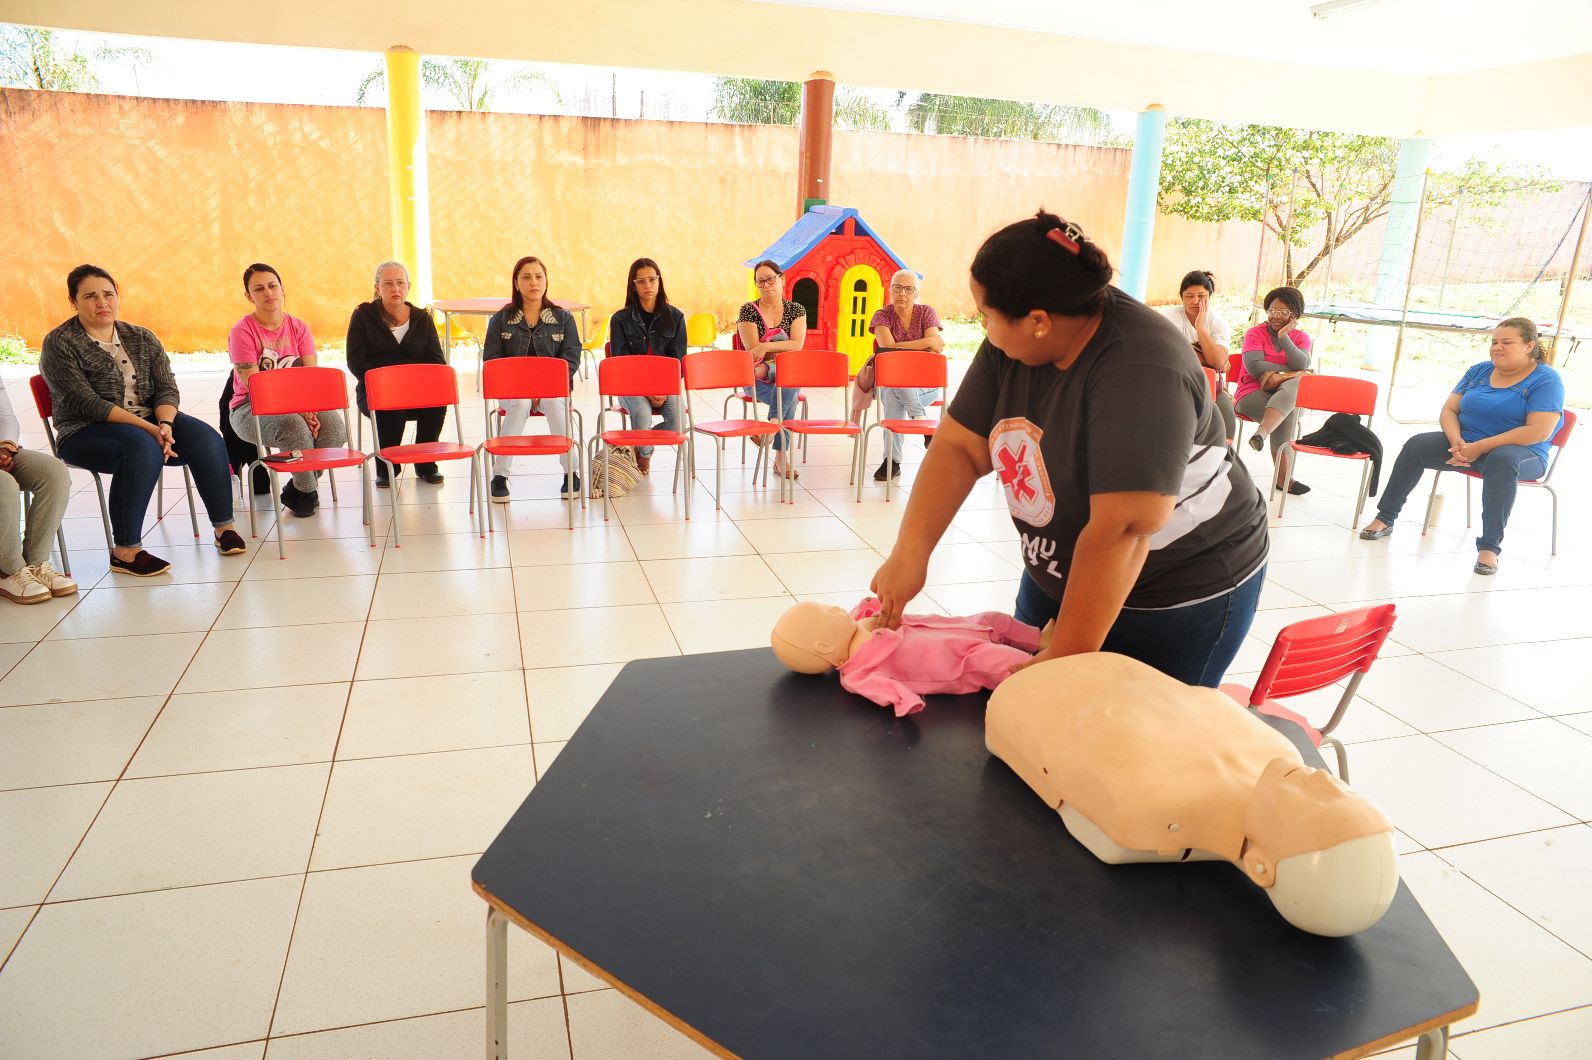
(813, 638)
(1324, 854)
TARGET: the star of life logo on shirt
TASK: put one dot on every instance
(1014, 449)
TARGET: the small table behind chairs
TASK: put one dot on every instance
(485, 307)
(781, 869)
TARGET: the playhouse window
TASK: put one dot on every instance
(859, 309)
(805, 293)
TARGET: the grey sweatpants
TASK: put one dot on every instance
(291, 432)
(51, 484)
(1254, 404)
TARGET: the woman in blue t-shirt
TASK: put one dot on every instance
(1497, 422)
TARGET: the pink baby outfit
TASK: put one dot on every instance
(929, 654)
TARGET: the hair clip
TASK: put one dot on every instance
(1068, 236)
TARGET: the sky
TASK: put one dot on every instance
(185, 69)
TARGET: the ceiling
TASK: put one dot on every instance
(1424, 37)
(1403, 68)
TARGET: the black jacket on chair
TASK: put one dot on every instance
(240, 451)
(1343, 433)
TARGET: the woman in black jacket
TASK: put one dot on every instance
(385, 331)
(530, 325)
(648, 324)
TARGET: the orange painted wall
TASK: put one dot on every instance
(175, 197)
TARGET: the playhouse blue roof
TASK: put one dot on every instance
(810, 230)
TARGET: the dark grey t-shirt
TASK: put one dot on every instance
(1133, 413)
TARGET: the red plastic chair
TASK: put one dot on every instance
(1332, 393)
(748, 396)
(1556, 444)
(1214, 379)
(44, 402)
(1235, 372)
(905, 368)
(640, 376)
(1313, 654)
(290, 391)
(811, 369)
(717, 370)
(529, 379)
(418, 386)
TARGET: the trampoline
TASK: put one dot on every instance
(1432, 320)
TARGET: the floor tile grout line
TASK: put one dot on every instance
(111, 791)
(326, 792)
(1505, 901)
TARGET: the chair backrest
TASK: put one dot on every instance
(598, 336)
(1560, 439)
(411, 386)
(1211, 378)
(717, 370)
(1316, 652)
(301, 389)
(1336, 393)
(522, 378)
(812, 368)
(1235, 368)
(911, 368)
(46, 404)
(638, 376)
(701, 329)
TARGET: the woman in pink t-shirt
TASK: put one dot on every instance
(1276, 354)
(265, 340)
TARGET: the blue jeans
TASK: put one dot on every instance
(765, 394)
(906, 403)
(131, 456)
(641, 413)
(1501, 471)
(1195, 644)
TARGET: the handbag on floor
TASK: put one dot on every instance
(622, 469)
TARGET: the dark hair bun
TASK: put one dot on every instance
(1042, 263)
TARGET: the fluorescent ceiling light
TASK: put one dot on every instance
(1341, 7)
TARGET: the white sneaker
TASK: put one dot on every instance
(23, 588)
(53, 580)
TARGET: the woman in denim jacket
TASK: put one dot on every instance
(648, 324)
(532, 326)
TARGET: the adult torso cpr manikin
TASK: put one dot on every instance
(1142, 767)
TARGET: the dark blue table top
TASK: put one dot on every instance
(787, 870)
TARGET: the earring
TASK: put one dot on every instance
(1039, 333)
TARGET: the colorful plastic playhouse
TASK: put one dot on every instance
(838, 268)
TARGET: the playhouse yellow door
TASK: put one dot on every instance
(861, 295)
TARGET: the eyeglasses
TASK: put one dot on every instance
(768, 281)
(646, 281)
(898, 289)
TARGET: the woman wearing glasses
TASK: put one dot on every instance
(905, 324)
(767, 327)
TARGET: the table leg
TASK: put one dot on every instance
(497, 985)
(1433, 1045)
(447, 337)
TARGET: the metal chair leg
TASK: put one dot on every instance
(193, 514)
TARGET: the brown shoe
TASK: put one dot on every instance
(644, 463)
(231, 543)
(142, 565)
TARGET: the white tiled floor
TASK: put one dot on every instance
(239, 804)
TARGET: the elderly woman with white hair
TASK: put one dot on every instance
(388, 330)
(905, 324)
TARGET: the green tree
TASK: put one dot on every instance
(1298, 182)
(932, 112)
(756, 102)
(35, 58)
(471, 83)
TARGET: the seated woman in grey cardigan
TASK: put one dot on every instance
(1276, 354)
(116, 413)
